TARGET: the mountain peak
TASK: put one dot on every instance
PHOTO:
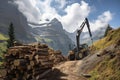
(55, 20)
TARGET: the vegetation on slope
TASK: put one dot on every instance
(109, 68)
(112, 37)
(40, 39)
(3, 47)
(3, 37)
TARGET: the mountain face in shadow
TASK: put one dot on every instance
(9, 13)
(51, 33)
(54, 35)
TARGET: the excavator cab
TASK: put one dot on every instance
(84, 46)
(81, 50)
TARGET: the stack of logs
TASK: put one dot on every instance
(30, 62)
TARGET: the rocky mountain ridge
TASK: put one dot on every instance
(19, 21)
(52, 33)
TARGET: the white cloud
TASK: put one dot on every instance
(27, 7)
(101, 21)
(46, 10)
(36, 10)
(75, 15)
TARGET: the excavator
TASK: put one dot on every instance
(80, 51)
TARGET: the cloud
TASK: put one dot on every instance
(47, 12)
(101, 21)
(37, 11)
(29, 9)
(75, 15)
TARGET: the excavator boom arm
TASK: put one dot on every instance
(78, 35)
(88, 26)
(80, 30)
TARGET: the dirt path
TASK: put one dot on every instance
(66, 71)
(69, 68)
(74, 70)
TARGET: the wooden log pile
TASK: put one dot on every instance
(30, 62)
(56, 56)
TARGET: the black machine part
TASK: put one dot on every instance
(79, 33)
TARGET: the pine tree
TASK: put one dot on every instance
(11, 36)
(107, 30)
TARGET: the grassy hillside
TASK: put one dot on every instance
(109, 68)
(3, 37)
(38, 38)
(3, 47)
(112, 38)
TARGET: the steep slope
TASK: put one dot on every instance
(53, 34)
(10, 13)
(113, 37)
(105, 66)
(109, 68)
(3, 39)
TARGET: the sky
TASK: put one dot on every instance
(71, 13)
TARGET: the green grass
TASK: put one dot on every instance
(111, 38)
(95, 75)
(2, 45)
(38, 38)
(3, 37)
(108, 69)
(2, 48)
(48, 40)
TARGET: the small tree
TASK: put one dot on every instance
(107, 30)
(11, 36)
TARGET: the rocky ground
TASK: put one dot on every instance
(81, 69)
(101, 64)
